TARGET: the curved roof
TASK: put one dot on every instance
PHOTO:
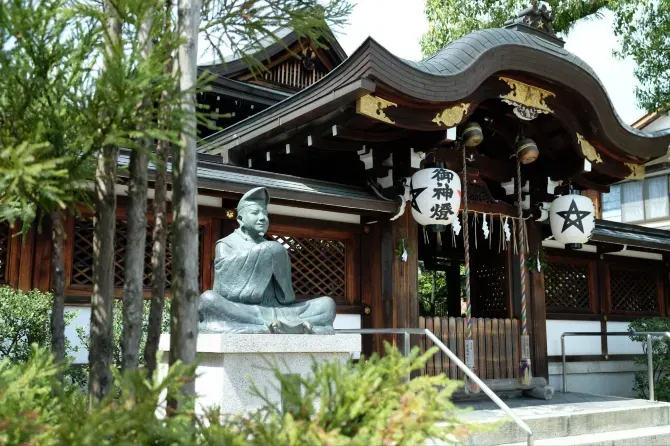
(451, 75)
(232, 65)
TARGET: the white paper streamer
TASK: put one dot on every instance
(456, 224)
(508, 233)
(485, 227)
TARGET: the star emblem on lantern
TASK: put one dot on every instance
(568, 217)
(572, 219)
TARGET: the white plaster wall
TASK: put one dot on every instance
(316, 214)
(621, 345)
(573, 345)
(82, 319)
(595, 377)
(203, 200)
(350, 321)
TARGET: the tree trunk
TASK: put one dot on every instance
(102, 299)
(157, 259)
(184, 321)
(58, 286)
(133, 286)
(133, 279)
(104, 227)
(159, 238)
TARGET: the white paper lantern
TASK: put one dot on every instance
(572, 219)
(436, 196)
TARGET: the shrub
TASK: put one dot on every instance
(25, 320)
(367, 403)
(341, 404)
(661, 357)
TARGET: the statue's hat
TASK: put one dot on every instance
(258, 195)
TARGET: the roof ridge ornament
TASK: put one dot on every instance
(536, 19)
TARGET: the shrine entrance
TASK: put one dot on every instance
(442, 307)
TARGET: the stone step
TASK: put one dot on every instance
(645, 436)
(568, 420)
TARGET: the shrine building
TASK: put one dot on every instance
(335, 140)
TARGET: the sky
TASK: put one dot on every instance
(398, 25)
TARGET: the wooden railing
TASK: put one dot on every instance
(497, 346)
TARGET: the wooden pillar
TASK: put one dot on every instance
(537, 308)
(27, 258)
(406, 274)
(371, 286)
(42, 264)
(399, 280)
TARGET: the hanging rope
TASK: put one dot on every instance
(522, 255)
(470, 386)
(466, 247)
(524, 367)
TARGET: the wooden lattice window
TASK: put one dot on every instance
(634, 291)
(568, 285)
(81, 276)
(491, 278)
(4, 250)
(324, 262)
(318, 265)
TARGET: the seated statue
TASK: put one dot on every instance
(253, 292)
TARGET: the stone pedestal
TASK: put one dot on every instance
(227, 363)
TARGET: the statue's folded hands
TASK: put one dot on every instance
(253, 292)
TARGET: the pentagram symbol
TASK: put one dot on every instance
(415, 193)
(579, 216)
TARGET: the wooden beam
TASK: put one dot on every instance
(581, 180)
(341, 132)
(334, 146)
(607, 248)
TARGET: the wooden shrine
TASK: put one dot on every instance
(335, 138)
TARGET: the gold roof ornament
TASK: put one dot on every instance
(452, 115)
(588, 150)
(528, 100)
(374, 107)
(636, 171)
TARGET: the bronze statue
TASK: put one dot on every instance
(253, 292)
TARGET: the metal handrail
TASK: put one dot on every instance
(650, 360)
(406, 332)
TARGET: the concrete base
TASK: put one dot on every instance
(229, 362)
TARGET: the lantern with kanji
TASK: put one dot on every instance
(436, 196)
(572, 219)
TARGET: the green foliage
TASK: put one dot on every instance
(341, 404)
(533, 258)
(45, 71)
(117, 323)
(661, 357)
(359, 404)
(643, 29)
(36, 410)
(641, 26)
(58, 108)
(435, 303)
(24, 320)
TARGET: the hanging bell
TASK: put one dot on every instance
(527, 151)
(472, 134)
